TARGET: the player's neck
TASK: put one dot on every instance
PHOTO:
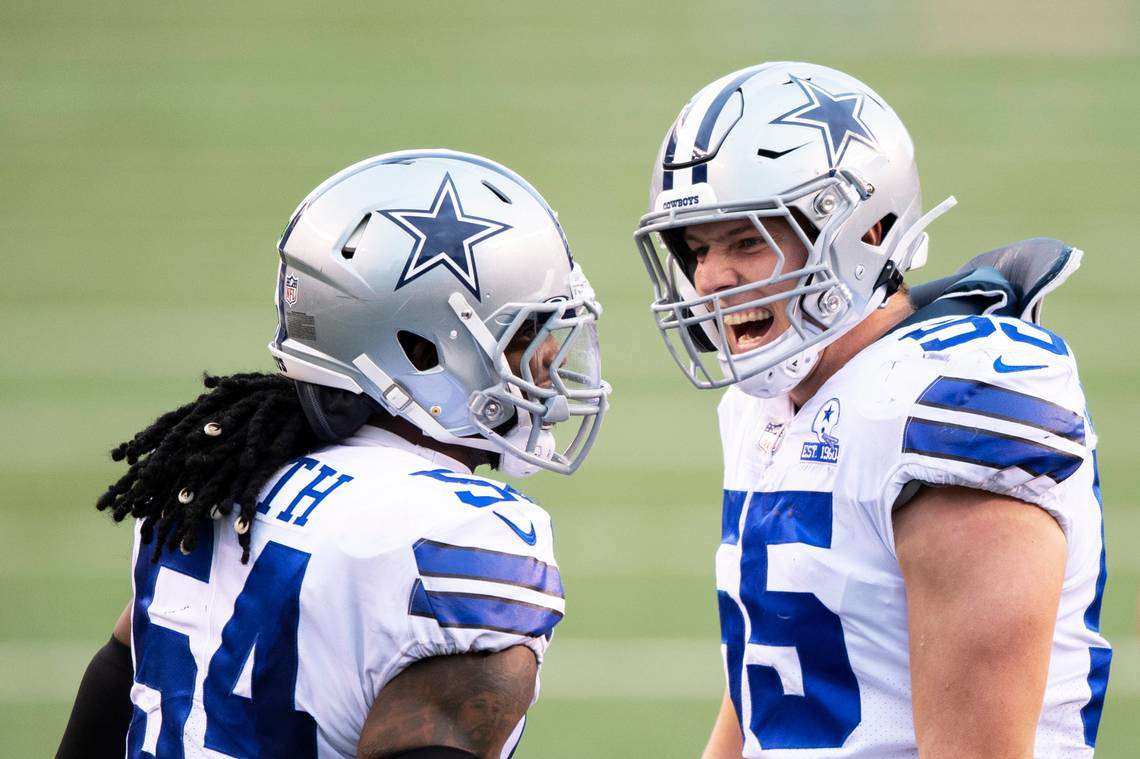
(469, 457)
(835, 356)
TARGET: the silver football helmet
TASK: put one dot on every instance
(441, 285)
(806, 144)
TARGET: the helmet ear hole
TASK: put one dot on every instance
(420, 351)
(879, 230)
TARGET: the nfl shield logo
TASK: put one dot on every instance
(291, 290)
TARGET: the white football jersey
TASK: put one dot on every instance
(813, 611)
(367, 556)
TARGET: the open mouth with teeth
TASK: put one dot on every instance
(748, 329)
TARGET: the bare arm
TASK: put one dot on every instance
(725, 741)
(122, 631)
(470, 701)
(983, 577)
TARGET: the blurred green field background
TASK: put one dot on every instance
(150, 154)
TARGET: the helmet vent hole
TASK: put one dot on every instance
(420, 351)
(497, 192)
(349, 249)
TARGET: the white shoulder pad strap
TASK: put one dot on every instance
(1031, 307)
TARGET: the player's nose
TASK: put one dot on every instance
(714, 271)
(542, 359)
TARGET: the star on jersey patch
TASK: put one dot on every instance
(837, 116)
(445, 236)
(826, 448)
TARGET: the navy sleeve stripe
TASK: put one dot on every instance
(436, 559)
(1001, 403)
(985, 448)
(476, 611)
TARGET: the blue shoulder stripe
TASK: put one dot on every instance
(1001, 403)
(436, 559)
(991, 449)
(475, 611)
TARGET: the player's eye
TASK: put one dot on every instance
(700, 253)
(527, 331)
(748, 243)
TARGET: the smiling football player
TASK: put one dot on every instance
(912, 556)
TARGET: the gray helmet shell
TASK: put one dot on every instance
(450, 248)
(783, 139)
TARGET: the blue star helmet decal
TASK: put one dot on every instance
(445, 236)
(835, 115)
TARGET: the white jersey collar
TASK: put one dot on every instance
(375, 436)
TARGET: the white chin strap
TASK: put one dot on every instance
(515, 466)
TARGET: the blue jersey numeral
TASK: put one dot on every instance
(499, 493)
(263, 625)
(979, 327)
(164, 665)
(976, 327)
(794, 664)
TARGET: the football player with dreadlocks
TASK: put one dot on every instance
(912, 557)
(317, 570)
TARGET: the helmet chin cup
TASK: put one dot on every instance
(779, 379)
(513, 465)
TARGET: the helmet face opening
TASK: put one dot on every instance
(549, 365)
(811, 298)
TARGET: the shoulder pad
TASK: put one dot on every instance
(488, 579)
(1009, 281)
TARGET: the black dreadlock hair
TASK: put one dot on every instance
(208, 458)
